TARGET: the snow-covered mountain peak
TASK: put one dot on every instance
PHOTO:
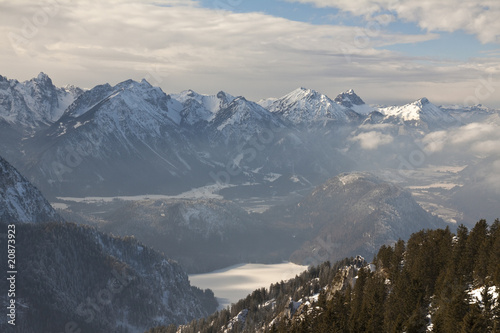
(135, 85)
(42, 78)
(241, 108)
(223, 96)
(136, 97)
(197, 107)
(28, 105)
(301, 93)
(422, 110)
(305, 106)
(423, 101)
(145, 82)
(206, 100)
(74, 90)
(242, 118)
(240, 100)
(350, 100)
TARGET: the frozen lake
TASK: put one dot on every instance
(234, 283)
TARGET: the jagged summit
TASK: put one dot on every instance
(42, 77)
(303, 92)
(201, 108)
(424, 101)
(241, 118)
(127, 95)
(32, 104)
(420, 111)
(351, 100)
(132, 84)
(306, 106)
(348, 99)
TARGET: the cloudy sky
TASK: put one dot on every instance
(388, 51)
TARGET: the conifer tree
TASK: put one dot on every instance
(357, 321)
(494, 259)
(474, 321)
(477, 251)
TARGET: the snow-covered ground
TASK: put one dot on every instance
(236, 282)
(205, 192)
(59, 205)
(476, 295)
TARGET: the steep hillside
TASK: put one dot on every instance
(62, 274)
(73, 274)
(20, 201)
(352, 213)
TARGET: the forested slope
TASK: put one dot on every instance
(437, 281)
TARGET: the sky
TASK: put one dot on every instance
(388, 51)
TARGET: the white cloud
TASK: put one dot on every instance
(478, 142)
(372, 140)
(482, 139)
(478, 17)
(435, 141)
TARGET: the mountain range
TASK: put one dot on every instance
(71, 142)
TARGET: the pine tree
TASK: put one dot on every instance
(463, 264)
(373, 300)
(417, 322)
(335, 318)
(477, 251)
(493, 266)
(357, 320)
(474, 321)
(488, 306)
(453, 306)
